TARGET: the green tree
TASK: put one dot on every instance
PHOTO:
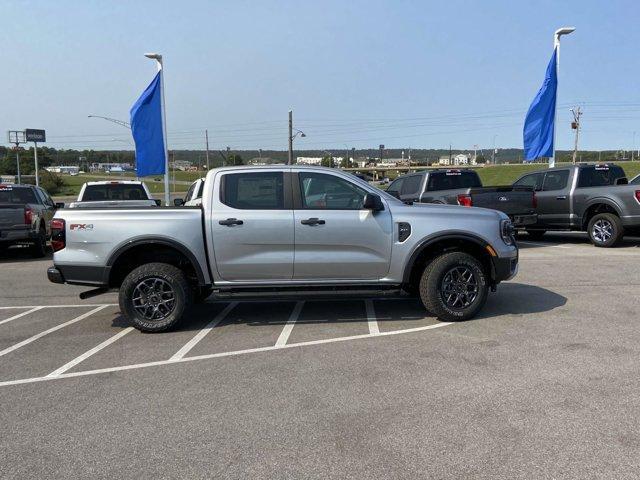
(234, 159)
(327, 161)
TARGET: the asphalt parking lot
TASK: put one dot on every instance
(543, 384)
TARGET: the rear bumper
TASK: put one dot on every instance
(79, 275)
(17, 234)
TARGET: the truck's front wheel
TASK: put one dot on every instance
(605, 230)
(154, 297)
(454, 287)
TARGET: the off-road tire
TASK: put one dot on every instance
(431, 286)
(608, 220)
(174, 277)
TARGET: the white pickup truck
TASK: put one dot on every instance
(113, 194)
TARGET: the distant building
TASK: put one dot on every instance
(457, 160)
(67, 169)
(109, 167)
(182, 165)
(337, 161)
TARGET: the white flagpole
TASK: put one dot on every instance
(158, 58)
(556, 45)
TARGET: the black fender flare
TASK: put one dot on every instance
(438, 237)
(599, 201)
(154, 240)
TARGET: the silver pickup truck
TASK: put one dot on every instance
(114, 193)
(596, 199)
(282, 230)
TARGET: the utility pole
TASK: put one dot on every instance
(449, 154)
(17, 137)
(206, 140)
(228, 155)
(633, 148)
(577, 113)
(290, 158)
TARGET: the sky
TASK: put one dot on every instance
(406, 74)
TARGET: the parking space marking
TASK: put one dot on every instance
(220, 355)
(87, 354)
(34, 309)
(371, 318)
(536, 244)
(63, 306)
(286, 331)
(203, 333)
(51, 330)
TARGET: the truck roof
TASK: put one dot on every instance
(107, 182)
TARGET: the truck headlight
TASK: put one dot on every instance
(507, 231)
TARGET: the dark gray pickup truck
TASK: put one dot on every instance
(464, 187)
(596, 199)
(25, 217)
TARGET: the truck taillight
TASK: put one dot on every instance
(28, 216)
(58, 234)
(534, 201)
(465, 200)
(638, 195)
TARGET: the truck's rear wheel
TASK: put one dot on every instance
(605, 230)
(39, 247)
(454, 287)
(154, 297)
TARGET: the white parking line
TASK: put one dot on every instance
(63, 306)
(219, 355)
(87, 354)
(34, 309)
(286, 331)
(371, 318)
(51, 330)
(536, 244)
(202, 333)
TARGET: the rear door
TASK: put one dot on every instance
(252, 225)
(335, 237)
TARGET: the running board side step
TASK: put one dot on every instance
(93, 293)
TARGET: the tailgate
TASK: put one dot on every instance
(505, 199)
(114, 204)
(11, 214)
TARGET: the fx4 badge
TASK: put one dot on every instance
(81, 226)
(503, 199)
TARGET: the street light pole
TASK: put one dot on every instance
(290, 158)
(556, 46)
(158, 58)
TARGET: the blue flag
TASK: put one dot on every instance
(540, 120)
(146, 127)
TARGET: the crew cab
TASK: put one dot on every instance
(464, 187)
(25, 215)
(117, 193)
(596, 199)
(284, 230)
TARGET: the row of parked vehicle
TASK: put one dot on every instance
(596, 199)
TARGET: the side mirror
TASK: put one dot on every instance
(59, 205)
(622, 181)
(372, 202)
(178, 202)
(394, 194)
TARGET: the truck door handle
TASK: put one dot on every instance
(312, 221)
(561, 197)
(229, 222)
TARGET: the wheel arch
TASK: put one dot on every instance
(147, 249)
(600, 205)
(430, 248)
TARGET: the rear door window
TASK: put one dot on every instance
(599, 175)
(555, 180)
(253, 190)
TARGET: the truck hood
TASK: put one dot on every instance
(457, 211)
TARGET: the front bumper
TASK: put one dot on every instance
(504, 268)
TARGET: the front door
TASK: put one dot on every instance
(252, 226)
(335, 238)
(554, 199)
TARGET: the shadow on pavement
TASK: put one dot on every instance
(21, 253)
(519, 299)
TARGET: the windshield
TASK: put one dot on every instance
(16, 195)
(114, 191)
